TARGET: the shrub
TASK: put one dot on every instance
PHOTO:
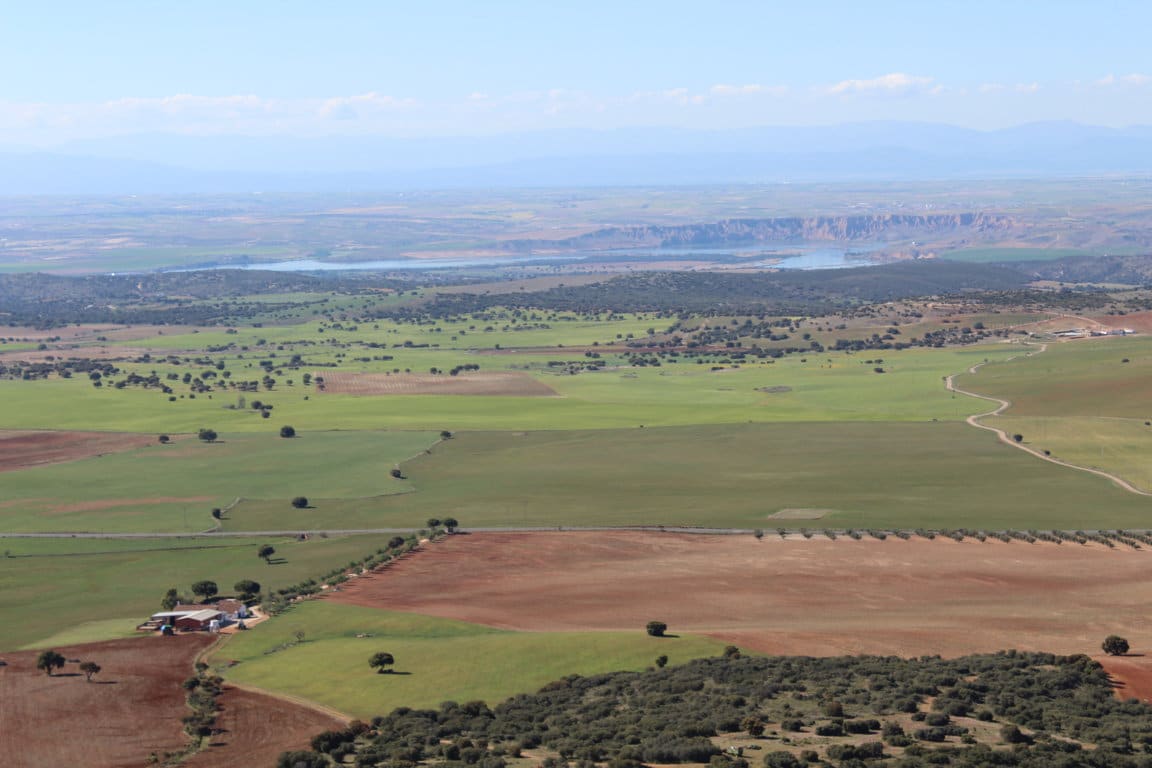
(300, 502)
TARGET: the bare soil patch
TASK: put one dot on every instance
(800, 513)
(133, 708)
(20, 449)
(482, 383)
(129, 710)
(795, 596)
(255, 728)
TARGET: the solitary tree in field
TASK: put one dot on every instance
(433, 522)
(656, 628)
(1114, 645)
(49, 660)
(171, 599)
(396, 473)
(445, 435)
(287, 431)
(89, 668)
(1018, 437)
(266, 551)
(205, 589)
(381, 662)
(164, 439)
(207, 435)
(300, 502)
(661, 661)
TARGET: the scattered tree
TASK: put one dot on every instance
(164, 439)
(433, 522)
(300, 502)
(207, 435)
(1114, 645)
(287, 431)
(1018, 437)
(171, 600)
(753, 726)
(246, 588)
(758, 533)
(661, 661)
(302, 758)
(450, 523)
(656, 628)
(395, 542)
(731, 652)
(205, 589)
(266, 551)
(396, 473)
(49, 660)
(89, 668)
(217, 513)
(381, 662)
(445, 435)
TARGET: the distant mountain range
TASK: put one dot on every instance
(161, 163)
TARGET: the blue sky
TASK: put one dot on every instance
(77, 70)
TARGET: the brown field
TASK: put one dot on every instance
(795, 596)
(133, 707)
(256, 728)
(483, 383)
(27, 449)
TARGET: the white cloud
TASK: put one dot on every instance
(895, 82)
(1134, 79)
(722, 89)
(354, 107)
(1027, 88)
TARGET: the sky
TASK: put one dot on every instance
(75, 71)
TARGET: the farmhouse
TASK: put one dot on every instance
(199, 617)
(188, 621)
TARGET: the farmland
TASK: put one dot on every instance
(825, 433)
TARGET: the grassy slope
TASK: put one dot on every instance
(93, 589)
(437, 659)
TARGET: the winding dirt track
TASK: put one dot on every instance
(1003, 405)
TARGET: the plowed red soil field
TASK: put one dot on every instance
(133, 708)
(20, 449)
(795, 596)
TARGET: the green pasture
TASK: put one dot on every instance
(54, 591)
(436, 659)
(884, 475)
(172, 488)
(824, 387)
(1080, 401)
(1120, 446)
(1082, 378)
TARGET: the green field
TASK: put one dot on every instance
(172, 488)
(71, 590)
(436, 659)
(1080, 401)
(930, 475)
(828, 387)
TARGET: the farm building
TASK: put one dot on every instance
(189, 621)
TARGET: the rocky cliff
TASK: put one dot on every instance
(875, 228)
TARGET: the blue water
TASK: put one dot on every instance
(791, 256)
